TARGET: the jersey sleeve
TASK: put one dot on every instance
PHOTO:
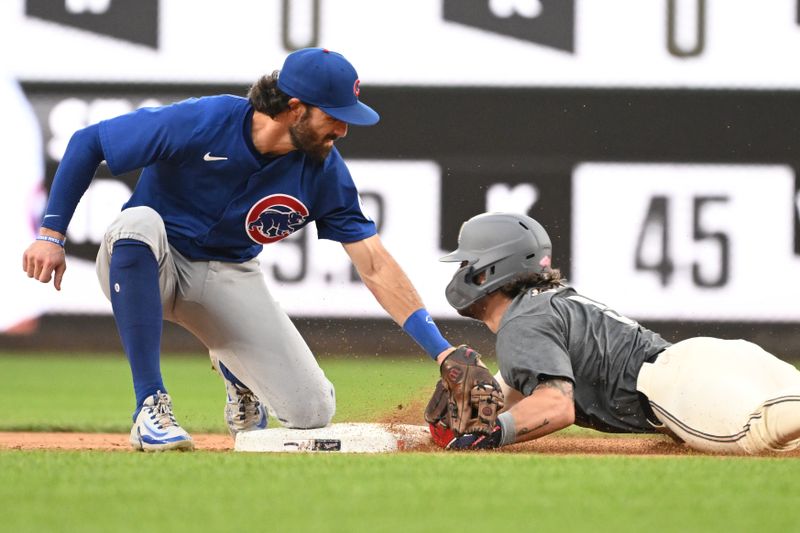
(532, 346)
(343, 219)
(140, 138)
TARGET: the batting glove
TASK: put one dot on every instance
(477, 441)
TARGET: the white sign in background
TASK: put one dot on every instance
(616, 43)
(686, 242)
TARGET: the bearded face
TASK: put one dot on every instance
(314, 135)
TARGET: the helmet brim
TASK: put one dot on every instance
(457, 256)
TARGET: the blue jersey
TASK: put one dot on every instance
(219, 198)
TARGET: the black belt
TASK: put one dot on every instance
(648, 411)
(652, 358)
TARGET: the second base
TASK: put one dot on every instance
(346, 438)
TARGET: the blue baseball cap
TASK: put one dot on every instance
(328, 81)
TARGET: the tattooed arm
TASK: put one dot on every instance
(549, 408)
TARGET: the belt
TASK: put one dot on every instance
(648, 411)
(645, 401)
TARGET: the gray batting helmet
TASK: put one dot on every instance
(501, 244)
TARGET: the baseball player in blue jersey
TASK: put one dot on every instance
(223, 176)
(565, 358)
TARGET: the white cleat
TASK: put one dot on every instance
(156, 429)
(243, 410)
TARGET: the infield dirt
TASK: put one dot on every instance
(555, 444)
(551, 445)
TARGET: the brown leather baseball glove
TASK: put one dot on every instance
(467, 399)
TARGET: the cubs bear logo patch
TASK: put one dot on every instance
(275, 217)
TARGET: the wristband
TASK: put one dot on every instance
(421, 328)
(508, 429)
(54, 240)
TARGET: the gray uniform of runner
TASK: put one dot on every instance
(716, 395)
(559, 333)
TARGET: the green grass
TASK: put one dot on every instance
(60, 491)
(225, 491)
(78, 393)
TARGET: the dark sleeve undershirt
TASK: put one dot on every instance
(83, 155)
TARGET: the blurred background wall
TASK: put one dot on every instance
(656, 140)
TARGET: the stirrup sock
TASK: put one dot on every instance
(136, 301)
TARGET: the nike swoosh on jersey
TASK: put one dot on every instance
(48, 216)
(209, 157)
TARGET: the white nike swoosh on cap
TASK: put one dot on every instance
(48, 216)
(209, 157)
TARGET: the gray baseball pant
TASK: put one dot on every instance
(228, 307)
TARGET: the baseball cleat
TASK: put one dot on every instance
(156, 429)
(243, 410)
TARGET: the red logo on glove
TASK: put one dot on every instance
(455, 375)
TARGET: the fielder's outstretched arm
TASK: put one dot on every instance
(387, 281)
(549, 408)
(384, 277)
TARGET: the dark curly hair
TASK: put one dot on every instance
(551, 279)
(266, 97)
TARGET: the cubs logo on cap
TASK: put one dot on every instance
(275, 217)
(326, 79)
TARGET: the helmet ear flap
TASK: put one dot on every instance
(461, 292)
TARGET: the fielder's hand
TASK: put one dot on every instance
(45, 260)
(474, 397)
